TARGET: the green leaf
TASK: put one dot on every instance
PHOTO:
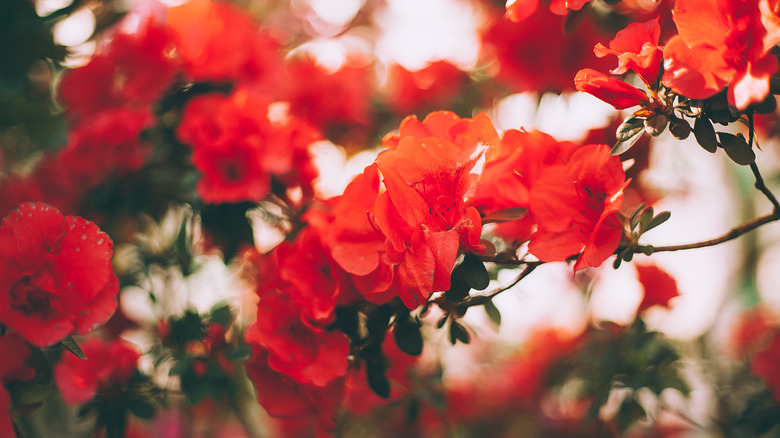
(655, 124)
(635, 216)
(474, 272)
(459, 289)
(645, 218)
(442, 321)
(658, 220)
(505, 215)
(630, 411)
(222, 315)
(630, 127)
(493, 313)
(624, 145)
(458, 333)
(71, 345)
(705, 134)
(679, 128)
(377, 380)
(25, 408)
(408, 337)
(737, 148)
(141, 408)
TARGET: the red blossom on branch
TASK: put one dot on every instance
(636, 48)
(576, 206)
(57, 277)
(431, 173)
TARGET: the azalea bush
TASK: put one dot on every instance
(247, 219)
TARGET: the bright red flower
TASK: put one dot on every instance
(431, 174)
(56, 276)
(722, 43)
(613, 91)
(659, 287)
(298, 369)
(636, 48)
(509, 175)
(109, 364)
(14, 351)
(243, 140)
(536, 56)
(576, 206)
(133, 71)
(218, 41)
(355, 243)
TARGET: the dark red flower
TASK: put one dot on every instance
(536, 56)
(613, 91)
(659, 287)
(56, 274)
(243, 140)
(133, 71)
(576, 206)
(431, 174)
(108, 364)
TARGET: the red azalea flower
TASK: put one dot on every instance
(108, 364)
(434, 86)
(133, 71)
(218, 41)
(305, 87)
(14, 351)
(659, 287)
(722, 43)
(613, 91)
(431, 174)
(57, 277)
(307, 354)
(536, 56)
(519, 10)
(241, 141)
(636, 48)
(509, 175)
(576, 205)
(101, 147)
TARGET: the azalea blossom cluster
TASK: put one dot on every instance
(193, 130)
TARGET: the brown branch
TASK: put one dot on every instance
(477, 300)
(732, 234)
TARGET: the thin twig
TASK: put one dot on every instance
(476, 300)
(760, 185)
(732, 234)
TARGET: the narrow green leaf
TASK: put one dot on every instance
(645, 218)
(737, 148)
(377, 380)
(493, 313)
(705, 134)
(630, 127)
(622, 146)
(441, 321)
(458, 333)
(71, 345)
(658, 220)
(635, 216)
